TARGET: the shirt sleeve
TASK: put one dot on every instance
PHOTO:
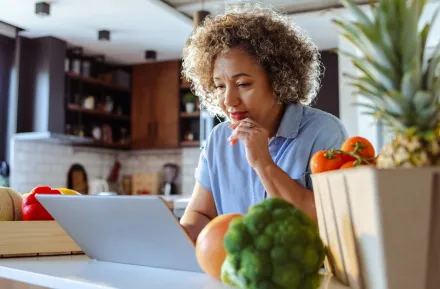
(330, 134)
(202, 172)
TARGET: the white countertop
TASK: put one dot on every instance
(80, 272)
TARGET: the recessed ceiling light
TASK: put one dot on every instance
(42, 9)
(104, 35)
(150, 55)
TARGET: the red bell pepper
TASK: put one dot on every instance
(31, 208)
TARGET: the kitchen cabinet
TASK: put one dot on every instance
(155, 105)
(327, 98)
(68, 97)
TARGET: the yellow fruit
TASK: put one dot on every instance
(10, 205)
(65, 191)
(25, 195)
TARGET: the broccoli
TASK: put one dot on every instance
(274, 246)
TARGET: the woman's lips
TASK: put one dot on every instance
(238, 115)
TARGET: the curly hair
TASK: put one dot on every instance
(287, 55)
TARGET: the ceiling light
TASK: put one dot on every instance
(104, 35)
(42, 9)
(150, 55)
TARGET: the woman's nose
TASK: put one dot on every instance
(231, 97)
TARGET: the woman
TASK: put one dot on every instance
(251, 66)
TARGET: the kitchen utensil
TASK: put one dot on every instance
(170, 173)
(98, 186)
(114, 173)
(77, 179)
(145, 183)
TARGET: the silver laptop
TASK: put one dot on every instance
(137, 230)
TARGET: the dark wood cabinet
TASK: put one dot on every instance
(328, 95)
(155, 105)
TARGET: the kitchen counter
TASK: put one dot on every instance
(80, 272)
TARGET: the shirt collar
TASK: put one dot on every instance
(291, 121)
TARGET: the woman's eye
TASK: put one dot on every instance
(219, 87)
(243, 84)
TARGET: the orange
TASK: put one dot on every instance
(210, 251)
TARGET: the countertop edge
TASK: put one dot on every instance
(44, 280)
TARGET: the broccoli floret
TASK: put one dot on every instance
(274, 246)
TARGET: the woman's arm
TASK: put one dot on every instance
(276, 182)
(279, 184)
(199, 212)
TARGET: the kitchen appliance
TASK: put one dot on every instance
(170, 173)
(98, 186)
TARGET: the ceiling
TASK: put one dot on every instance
(188, 7)
(135, 25)
(139, 25)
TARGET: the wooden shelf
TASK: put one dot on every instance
(188, 143)
(111, 145)
(77, 108)
(97, 82)
(190, 114)
(105, 145)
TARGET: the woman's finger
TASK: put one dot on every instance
(243, 130)
(239, 135)
(249, 122)
(234, 125)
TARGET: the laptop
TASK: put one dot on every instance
(135, 230)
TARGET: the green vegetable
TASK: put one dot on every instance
(275, 246)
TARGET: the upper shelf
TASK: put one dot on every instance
(77, 108)
(97, 82)
(190, 114)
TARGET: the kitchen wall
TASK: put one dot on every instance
(35, 163)
(150, 161)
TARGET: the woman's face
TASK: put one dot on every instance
(243, 88)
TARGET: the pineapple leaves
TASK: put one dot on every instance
(402, 87)
(410, 39)
(423, 38)
(357, 12)
(411, 83)
(419, 5)
(376, 72)
(388, 38)
(423, 101)
(368, 41)
(432, 66)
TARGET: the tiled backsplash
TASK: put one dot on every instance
(150, 161)
(36, 163)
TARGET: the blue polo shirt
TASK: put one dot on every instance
(224, 170)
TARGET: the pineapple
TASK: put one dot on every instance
(396, 77)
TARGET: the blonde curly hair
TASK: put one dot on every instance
(287, 55)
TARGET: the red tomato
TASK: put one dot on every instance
(365, 148)
(352, 164)
(349, 164)
(326, 160)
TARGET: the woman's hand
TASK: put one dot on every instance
(256, 141)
